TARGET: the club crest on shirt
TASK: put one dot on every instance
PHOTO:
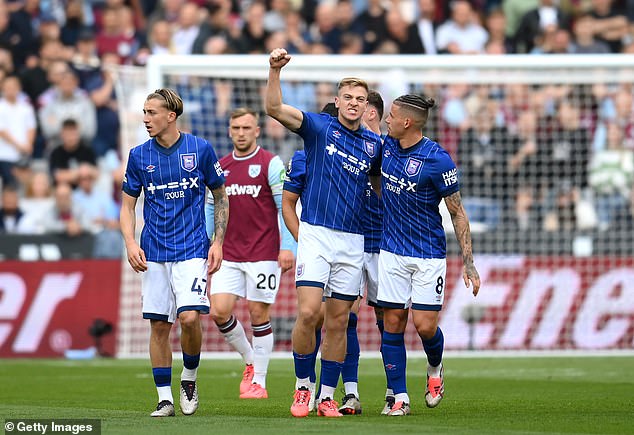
(370, 148)
(189, 162)
(254, 170)
(412, 167)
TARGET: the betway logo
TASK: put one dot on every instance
(249, 189)
(53, 289)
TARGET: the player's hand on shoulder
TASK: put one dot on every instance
(279, 57)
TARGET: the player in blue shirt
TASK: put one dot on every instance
(339, 153)
(417, 174)
(173, 170)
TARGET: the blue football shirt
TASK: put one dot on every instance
(337, 165)
(173, 181)
(295, 182)
(413, 183)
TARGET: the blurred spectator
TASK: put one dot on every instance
(374, 24)
(482, 160)
(66, 158)
(405, 35)
(114, 36)
(253, 32)
(324, 30)
(160, 38)
(100, 212)
(186, 29)
(610, 25)
(68, 102)
(34, 76)
(100, 88)
(346, 19)
(11, 216)
(427, 25)
(16, 33)
(584, 40)
(563, 160)
(275, 17)
(296, 33)
(611, 177)
(514, 10)
(85, 61)
(38, 199)
(461, 34)
(167, 10)
(536, 22)
(54, 74)
(522, 167)
(496, 27)
(64, 217)
(17, 131)
(217, 24)
(552, 40)
(73, 24)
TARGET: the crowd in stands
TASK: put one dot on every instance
(529, 157)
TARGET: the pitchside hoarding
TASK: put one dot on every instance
(47, 308)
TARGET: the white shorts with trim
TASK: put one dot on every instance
(330, 259)
(256, 281)
(172, 287)
(406, 282)
(370, 277)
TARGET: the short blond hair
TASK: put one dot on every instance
(353, 82)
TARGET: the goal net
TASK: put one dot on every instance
(545, 151)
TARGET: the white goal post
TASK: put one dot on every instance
(557, 269)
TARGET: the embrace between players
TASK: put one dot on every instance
(340, 219)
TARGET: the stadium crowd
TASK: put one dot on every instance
(532, 157)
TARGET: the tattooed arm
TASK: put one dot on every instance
(221, 217)
(463, 234)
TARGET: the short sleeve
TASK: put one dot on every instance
(132, 183)
(295, 178)
(213, 173)
(445, 175)
(277, 174)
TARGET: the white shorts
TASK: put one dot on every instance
(370, 277)
(171, 288)
(256, 281)
(411, 281)
(330, 259)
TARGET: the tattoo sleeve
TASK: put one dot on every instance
(461, 226)
(221, 213)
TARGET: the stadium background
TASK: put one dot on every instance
(556, 271)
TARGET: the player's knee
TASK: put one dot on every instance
(426, 331)
(308, 316)
(220, 316)
(188, 319)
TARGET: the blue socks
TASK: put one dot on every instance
(313, 373)
(191, 361)
(395, 360)
(434, 347)
(350, 370)
(162, 376)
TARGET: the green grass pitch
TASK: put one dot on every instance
(492, 395)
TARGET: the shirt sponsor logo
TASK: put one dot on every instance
(218, 169)
(350, 162)
(237, 189)
(450, 177)
(189, 162)
(184, 184)
(254, 170)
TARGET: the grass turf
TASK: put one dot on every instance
(566, 395)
